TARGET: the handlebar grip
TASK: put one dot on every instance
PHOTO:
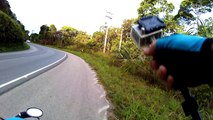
(189, 69)
(23, 115)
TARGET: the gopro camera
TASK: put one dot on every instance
(148, 29)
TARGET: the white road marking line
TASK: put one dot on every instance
(103, 95)
(103, 108)
(25, 76)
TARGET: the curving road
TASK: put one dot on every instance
(17, 64)
(69, 91)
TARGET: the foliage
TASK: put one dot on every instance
(202, 28)
(82, 37)
(205, 28)
(52, 28)
(44, 32)
(98, 37)
(113, 35)
(154, 7)
(191, 9)
(34, 37)
(5, 7)
(10, 32)
(68, 35)
(126, 28)
(204, 94)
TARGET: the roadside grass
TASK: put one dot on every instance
(130, 97)
(14, 48)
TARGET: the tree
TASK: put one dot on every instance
(113, 37)
(82, 37)
(52, 28)
(126, 28)
(68, 35)
(154, 7)
(203, 28)
(52, 34)
(34, 37)
(99, 36)
(26, 34)
(190, 10)
(69, 31)
(5, 7)
(44, 32)
(10, 33)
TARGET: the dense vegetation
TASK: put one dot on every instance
(12, 32)
(132, 61)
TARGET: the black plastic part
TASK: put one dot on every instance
(23, 115)
(190, 105)
(151, 24)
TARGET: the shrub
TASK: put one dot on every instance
(10, 31)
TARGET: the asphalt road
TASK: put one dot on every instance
(17, 64)
(69, 91)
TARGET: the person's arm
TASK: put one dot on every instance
(182, 60)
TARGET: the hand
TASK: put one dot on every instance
(167, 80)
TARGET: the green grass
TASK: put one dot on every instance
(130, 96)
(14, 48)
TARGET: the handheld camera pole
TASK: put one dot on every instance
(190, 105)
(141, 37)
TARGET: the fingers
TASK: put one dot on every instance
(170, 82)
(149, 51)
(154, 64)
(167, 80)
(162, 72)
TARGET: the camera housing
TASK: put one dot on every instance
(142, 39)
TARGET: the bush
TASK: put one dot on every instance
(93, 45)
(11, 33)
(204, 95)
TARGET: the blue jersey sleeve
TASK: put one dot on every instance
(181, 42)
(14, 118)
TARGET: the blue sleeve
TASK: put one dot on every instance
(14, 118)
(181, 42)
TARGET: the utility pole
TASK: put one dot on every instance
(120, 40)
(108, 16)
(105, 40)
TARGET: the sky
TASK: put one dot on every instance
(84, 15)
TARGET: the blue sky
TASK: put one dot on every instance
(85, 15)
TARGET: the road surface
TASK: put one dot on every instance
(16, 64)
(69, 91)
